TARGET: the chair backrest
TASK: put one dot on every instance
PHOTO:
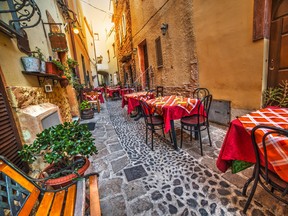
(146, 111)
(206, 103)
(270, 133)
(159, 91)
(200, 93)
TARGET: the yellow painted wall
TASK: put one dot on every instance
(230, 63)
(10, 55)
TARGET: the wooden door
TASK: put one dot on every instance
(278, 56)
(10, 142)
(146, 66)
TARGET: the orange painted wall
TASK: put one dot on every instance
(230, 63)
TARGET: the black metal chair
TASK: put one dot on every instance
(200, 93)
(198, 122)
(153, 122)
(269, 180)
(159, 91)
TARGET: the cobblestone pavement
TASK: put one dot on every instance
(134, 180)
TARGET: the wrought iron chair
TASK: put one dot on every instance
(159, 91)
(153, 122)
(198, 122)
(269, 180)
(200, 93)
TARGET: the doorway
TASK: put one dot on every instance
(278, 61)
(144, 64)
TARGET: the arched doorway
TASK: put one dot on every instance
(278, 54)
(103, 78)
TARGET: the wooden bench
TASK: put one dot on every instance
(21, 195)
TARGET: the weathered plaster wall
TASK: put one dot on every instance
(230, 63)
(10, 55)
(21, 97)
(123, 39)
(179, 71)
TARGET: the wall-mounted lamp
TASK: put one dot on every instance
(134, 51)
(164, 28)
(75, 30)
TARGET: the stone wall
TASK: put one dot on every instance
(21, 97)
(185, 90)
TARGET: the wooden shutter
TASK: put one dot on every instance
(159, 52)
(10, 142)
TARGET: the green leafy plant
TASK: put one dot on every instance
(60, 145)
(71, 63)
(38, 54)
(277, 96)
(85, 105)
(59, 65)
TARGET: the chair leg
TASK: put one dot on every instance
(248, 182)
(209, 135)
(170, 136)
(152, 131)
(190, 133)
(163, 131)
(181, 136)
(251, 193)
(200, 139)
(146, 135)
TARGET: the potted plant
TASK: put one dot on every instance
(277, 96)
(34, 62)
(66, 148)
(86, 110)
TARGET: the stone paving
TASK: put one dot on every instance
(134, 180)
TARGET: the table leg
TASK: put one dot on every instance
(173, 134)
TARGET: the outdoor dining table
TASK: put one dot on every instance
(132, 99)
(94, 97)
(110, 91)
(173, 108)
(237, 145)
(124, 91)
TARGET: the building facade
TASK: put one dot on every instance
(224, 47)
(124, 45)
(46, 28)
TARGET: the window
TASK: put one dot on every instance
(159, 52)
(124, 25)
(108, 53)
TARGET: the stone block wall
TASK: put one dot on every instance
(21, 97)
(185, 90)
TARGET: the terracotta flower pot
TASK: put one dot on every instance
(64, 82)
(51, 68)
(64, 180)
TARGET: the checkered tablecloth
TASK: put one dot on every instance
(187, 104)
(173, 107)
(277, 146)
(133, 99)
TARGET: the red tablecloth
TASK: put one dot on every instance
(132, 99)
(172, 109)
(99, 89)
(110, 91)
(126, 91)
(93, 97)
(238, 145)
